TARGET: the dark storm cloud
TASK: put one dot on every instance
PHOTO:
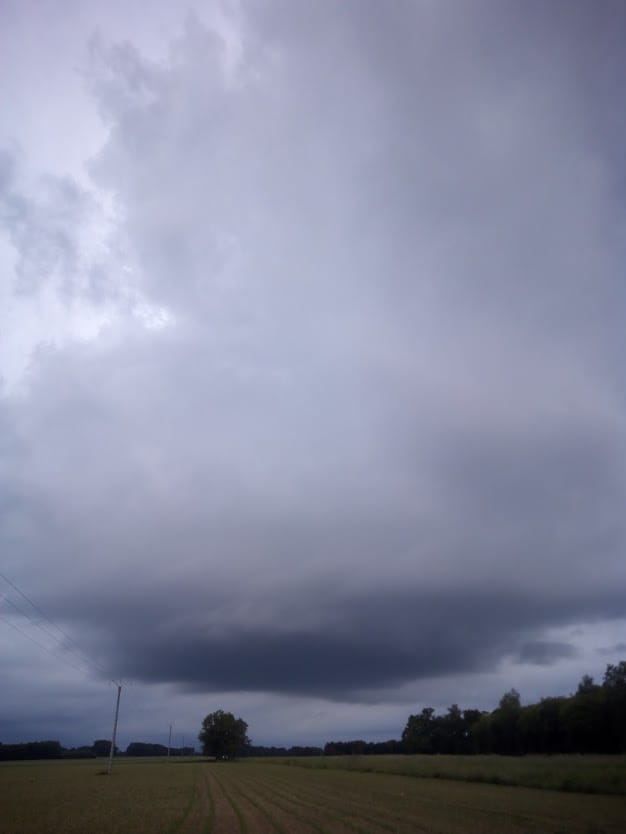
(543, 653)
(613, 651)
(373, 428)
(351, 645)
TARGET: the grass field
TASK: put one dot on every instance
(196, 797)
(579, 774)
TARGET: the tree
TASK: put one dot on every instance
(615, 676)
(417, 736)
(139, 748)
(223, 735)
(504, 721)
(102, 747)
(452, 731)
(585, 720)
(510, 701)
(586, 685)
(614, 686)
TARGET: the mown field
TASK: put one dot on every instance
(246, 797)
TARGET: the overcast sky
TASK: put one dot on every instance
(312, 360)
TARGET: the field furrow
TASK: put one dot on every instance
(248, 797)
(209, 822)
(291, 804)
(406, 803)
(228, 817)
(199, 816)
(285, 816)
(315, 808)
(352, 811)
(254, 817)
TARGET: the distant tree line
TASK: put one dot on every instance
(358, 747)
(50, 750)
(140, 748)
(592, 720)
(100, 748)
(260, 751)
(31, 750)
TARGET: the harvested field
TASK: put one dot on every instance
(197, 797)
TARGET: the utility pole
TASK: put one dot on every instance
(117, 712)
(169, 742)
(182, 752)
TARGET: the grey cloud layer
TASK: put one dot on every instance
(382, 437)
(350, 647)
(47, 231)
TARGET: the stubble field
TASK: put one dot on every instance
(197, 797)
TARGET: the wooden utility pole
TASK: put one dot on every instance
(117, 712)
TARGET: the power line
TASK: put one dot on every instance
(41, 645)
(85, 659)
(81, 657)
(43, 614)
(34, 622)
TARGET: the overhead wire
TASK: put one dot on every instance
(79, 653)
(40, 626)
(41, 645)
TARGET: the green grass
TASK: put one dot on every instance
(574, 774)
(173, 797)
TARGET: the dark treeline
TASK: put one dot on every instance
(263, 752)
(363, 748)
(140, 748)
(100, 748)
(43, 750)
(592, 720)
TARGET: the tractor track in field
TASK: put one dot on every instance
(249, 799)
(354, 810)
(199, 816)
(347, 796)
(289, 805)
(314, 814)
(199, 797)
(268, 817)
(251, 814)
(285, 819)
(209, 822)
(228, 815)
(426, 806)
(410, 816)
(180, 825)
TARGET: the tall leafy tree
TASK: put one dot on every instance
(223, 735)
(419, 731)
(614, 686)
(592, 720)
